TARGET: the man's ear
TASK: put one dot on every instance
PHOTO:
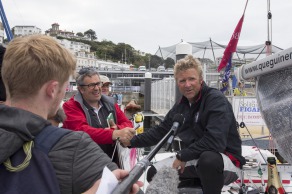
(80, 89)
(52, 88)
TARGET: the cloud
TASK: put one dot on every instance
(145, 25)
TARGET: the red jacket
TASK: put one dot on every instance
(76, 120)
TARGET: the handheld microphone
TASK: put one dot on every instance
(178, 121)
(125, 185)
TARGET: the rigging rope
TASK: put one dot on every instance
(161, 56)
(242, 125)
(213, 51)
(260, 53)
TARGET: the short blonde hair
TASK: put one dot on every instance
(31, 61)
(186, 63)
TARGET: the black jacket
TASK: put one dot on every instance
(209, 125)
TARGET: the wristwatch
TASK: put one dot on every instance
(178, 156)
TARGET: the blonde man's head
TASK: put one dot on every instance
(31, 61)
(187, 63)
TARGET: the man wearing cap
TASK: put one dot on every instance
(105, 85)
(89, 110)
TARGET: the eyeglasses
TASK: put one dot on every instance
(92, 85)
(106, 85)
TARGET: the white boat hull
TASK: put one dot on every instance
(252, 178)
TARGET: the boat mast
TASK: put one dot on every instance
(5, 23)
(269, 28)
(272, 145)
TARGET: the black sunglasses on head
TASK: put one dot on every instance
(86, 70)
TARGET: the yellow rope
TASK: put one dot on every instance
(27, 150)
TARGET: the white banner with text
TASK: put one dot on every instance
(246, 109)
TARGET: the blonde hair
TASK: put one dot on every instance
(31, 61)
(186, 63)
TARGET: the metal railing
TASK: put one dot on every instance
(163, 98)
(126, 89)
(162, 95)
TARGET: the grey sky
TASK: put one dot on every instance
(145, 25)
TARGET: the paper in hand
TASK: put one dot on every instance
(110, 119)
(108, 182)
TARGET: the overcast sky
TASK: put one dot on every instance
(147, 24)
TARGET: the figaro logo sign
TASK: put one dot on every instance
(246, 109)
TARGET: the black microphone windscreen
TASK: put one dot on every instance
(164, 182)
(179, 118)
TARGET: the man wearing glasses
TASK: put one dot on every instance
(89, 109)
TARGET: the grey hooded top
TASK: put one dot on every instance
(78, 161)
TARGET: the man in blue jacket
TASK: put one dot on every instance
(209, 134)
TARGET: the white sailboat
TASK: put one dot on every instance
(254, 173)
(276, 112)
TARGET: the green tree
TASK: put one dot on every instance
(105, 50)
(169, 63)
(90, 33)
(124, 53)
(80, 34)
(139, 60)
(155, 61)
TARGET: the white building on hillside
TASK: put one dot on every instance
(55, 31)
(85, 58)
(25, 30)
(82, 52)
(74, 46)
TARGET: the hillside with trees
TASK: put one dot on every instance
(120, 52)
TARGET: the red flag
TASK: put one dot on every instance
(231, 47)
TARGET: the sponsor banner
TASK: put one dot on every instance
(266, 65)
(246, 109)
(225, 80)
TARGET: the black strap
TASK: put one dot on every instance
(48, 137)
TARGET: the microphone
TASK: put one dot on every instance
(178, 120)
(125, 185)
(164, 182)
